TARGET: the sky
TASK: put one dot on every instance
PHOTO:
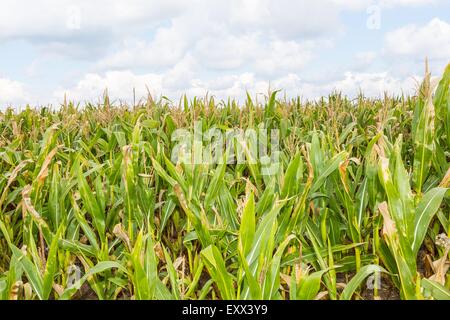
(50, 49)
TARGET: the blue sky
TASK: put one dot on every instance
(308, 48)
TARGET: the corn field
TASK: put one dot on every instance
(92, 206)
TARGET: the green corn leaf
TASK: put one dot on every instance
(214, 186)
(270, 108)
(89, 233)
(51, 266)
(309, 285)
(167, 211)
(262, 234)
(441, 98)
(54, 203)
(424, 145)
(437, 290)
(141, 281)
(247, 228)
(32, 272)
(272, 282)
(215, 264)
(98, 268)
(290, 178)
(329, 167)
(172, 275)
(254, 290)
(163, 174)
(91, 204)
(357, 279)
(425, 211)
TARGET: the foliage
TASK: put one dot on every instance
(362, 189)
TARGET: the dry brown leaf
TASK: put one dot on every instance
(43, 173)
(29, 208)
(27, 291)
(120, 232)
(178, 262)
(445, 183)
(159, 251)
(13, 177)
(321, 295)
(286, 279)
(15, 289)
(389, 228)
(440, 267)
(343, 174)
(58, 288)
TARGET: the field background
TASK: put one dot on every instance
(91, 206)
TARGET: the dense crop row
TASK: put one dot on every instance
(91, 205)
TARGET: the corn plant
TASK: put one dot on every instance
(94, 205)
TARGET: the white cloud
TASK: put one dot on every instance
(353, 4)
(349, 83)
(227, 51)
(12, 93)
(267, 38)
(82, 29)
(431, 40)
(364, 4)
(224, 47)
(58, 20)
(397, 3)
(181, 75)
(373, 84)
(366, 57)
(285, 18)
(88, 29)
(284, 56)
(162, 52)
(55, 18)
(120, 85)
(364, 60)
(252, 52)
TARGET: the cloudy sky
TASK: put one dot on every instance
(49, 48)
